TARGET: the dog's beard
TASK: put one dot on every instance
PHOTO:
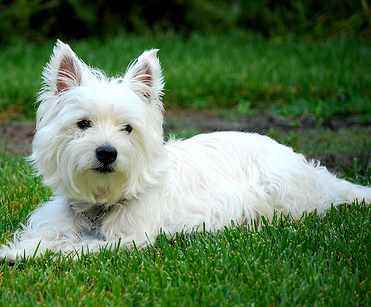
(100, 187)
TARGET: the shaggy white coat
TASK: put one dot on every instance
(206, 181)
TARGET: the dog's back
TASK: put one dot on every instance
(247, 174)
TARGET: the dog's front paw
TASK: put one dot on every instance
(8, 256)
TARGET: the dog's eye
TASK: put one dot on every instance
(84, 124)
(127, 128)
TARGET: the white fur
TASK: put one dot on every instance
(206, 181)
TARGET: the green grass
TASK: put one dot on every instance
(235, 71)
(317, 260)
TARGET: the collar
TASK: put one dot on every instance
(91, 217)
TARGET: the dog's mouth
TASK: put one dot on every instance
(104, 169)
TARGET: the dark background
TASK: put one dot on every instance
(38, 20)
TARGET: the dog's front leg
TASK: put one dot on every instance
(24, 249)
(50, 227)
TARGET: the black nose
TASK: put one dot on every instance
(106, 154)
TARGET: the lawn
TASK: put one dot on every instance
(237, 72)
(317, 260)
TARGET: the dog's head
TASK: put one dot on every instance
(98, 139)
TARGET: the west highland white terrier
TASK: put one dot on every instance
(99, 146)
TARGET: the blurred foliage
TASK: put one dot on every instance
(40, 19)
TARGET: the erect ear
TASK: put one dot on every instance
(63, 70)
(144, 75)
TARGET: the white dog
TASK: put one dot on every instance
(99, 146)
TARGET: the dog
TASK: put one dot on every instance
(99, 146)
